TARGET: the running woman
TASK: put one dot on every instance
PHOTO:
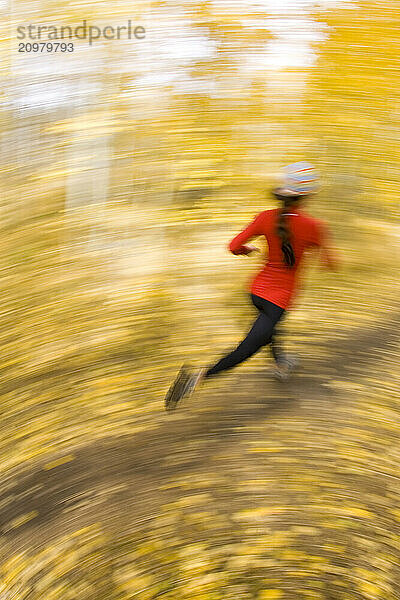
(289, 232)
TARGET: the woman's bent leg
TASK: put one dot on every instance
(276, 347)
(275, 313)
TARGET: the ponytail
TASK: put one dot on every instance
(282, 228)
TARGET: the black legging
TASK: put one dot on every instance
(261, 334)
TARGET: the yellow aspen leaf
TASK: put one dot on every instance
(270, 595)
(59, 461)
(18, 521)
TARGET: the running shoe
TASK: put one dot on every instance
(176, 391)
(184, 386)
(285, 367)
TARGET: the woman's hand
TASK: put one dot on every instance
(249, 248)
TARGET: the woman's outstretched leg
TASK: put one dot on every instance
(258, 336)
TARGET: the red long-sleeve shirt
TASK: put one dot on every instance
(277, 282)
